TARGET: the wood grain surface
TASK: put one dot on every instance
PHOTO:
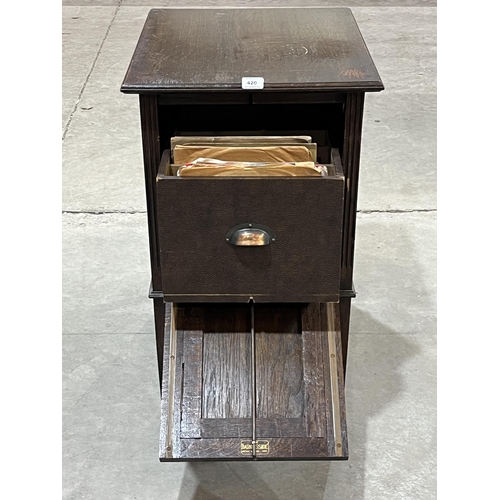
(192, 370)
(189, 63)
(314, 371)
(351, 153)
(212, 49)
(148, 107)
(164, 389)
(212, 413)
(226, 363)
(278, 345)
(198, 264)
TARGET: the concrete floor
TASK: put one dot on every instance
(110, 392)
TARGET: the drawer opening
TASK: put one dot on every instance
(252, 382)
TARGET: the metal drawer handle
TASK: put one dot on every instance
(250, 235)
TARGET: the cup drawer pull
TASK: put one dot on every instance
(250, 235)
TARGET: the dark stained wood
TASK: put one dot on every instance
(336, 161)
(212, 49)
(169, 434)
(226, 363)
(302, 265)
(339, 445)
(216, 384)
(208, 449)
(177, 395)
(164, 386)
(353, 156)
(328, 407)
(212, 383)
(151, 155)
(297, 448)
(159, 315)
(313, 333)
(341, 385)
(350, 162)
(279, 382)
(242, 428)
(347, 167)
(189, 64)
(280, 427)
(211, 428)
(345, 317)
(192, 362)
(280, 449)
(215, 378)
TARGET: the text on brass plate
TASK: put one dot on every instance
(261, 447)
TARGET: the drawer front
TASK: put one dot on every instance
(198, 264)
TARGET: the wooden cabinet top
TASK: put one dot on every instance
(212, 49)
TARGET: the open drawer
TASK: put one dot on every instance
(301, 216)
(251, 382)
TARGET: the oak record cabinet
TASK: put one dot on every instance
(252, 341)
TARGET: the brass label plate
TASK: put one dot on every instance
(261, 447)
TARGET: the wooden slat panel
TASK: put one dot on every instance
(340, 377)
(226, 363)
(159, 316)
(298, 448)
(279, 381)
(345, 318)
(214, 428)
(176, 431)
(329, 423)
(334, 396)
(171, 420)
(314, 384)
(207, 449)
(347, 163)
(164, 385)
(242, 428)
(229, 449)
(355, 139)
(148, 106)
(280, 427)
(350, 161)
(317, 431)
(191, 324)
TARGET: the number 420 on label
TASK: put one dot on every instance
(252, 82)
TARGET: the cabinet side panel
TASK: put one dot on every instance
(350, 160)
(151, 154)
